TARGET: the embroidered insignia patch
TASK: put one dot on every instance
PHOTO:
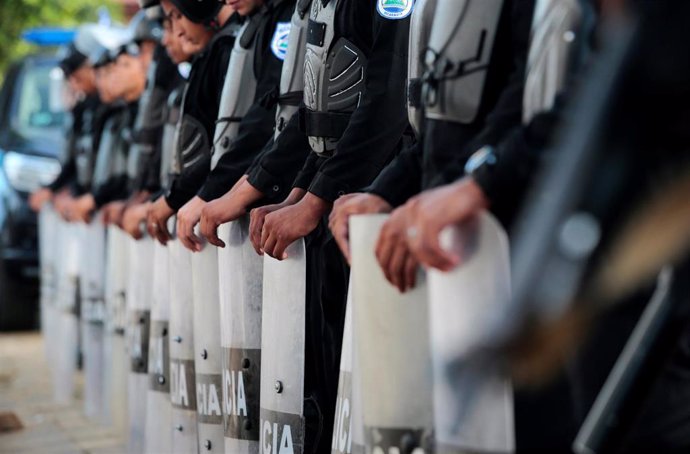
(279, 43)
(394, 9)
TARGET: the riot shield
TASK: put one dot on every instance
(67, 328)
(207, 356)
(283, 321)
(182, 376)
(116, 368)
(139, 313)
(92, 307)
(48, 238)
(391, 332)
(348, 436)
(468, 314)
(240, 283)
(158, 410)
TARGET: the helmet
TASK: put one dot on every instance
(142, 28)
(199, 11)
(143, 4)
(71, 60)
(101, 41)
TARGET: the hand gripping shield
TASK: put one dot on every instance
(207, 349)
(392, 343)
(158, 410)
(282, 352)
(139, 313)
(469, 313)
(240, 278)
(348, 435)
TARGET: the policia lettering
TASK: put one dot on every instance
(334, 75)
(457, 58)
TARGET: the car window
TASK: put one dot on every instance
(37, 110)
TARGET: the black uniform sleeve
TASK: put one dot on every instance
(186, 185)
(517, 157)
(67, 175)
(311, 166)
(275, 170)
(114, 189)
(402, 178)
(376, 127)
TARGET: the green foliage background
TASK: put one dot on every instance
(18, 15)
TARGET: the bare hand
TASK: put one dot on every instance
(258, 215)
(226, 209)
(157, 220)
(133, 217)
(350, 205)
(187, 218)
(432, 211)
(83, 208)
(113, 213)
(393, 255)
(39, 198)
(283, 227)
(63, 202)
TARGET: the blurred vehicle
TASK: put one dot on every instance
(31, 140)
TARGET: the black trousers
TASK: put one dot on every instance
(327, 281)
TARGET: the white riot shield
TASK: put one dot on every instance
(240, 282)
(67, 329)
(391, 332)
(469, 313)
(158, 409)
(207, 348)
(348, 435)
(282, 352)
(48, 237)
(139, 310)
(117, 362)
(182, 376)
(92, 307)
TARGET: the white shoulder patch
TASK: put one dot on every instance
(279, 43)
(395, 9)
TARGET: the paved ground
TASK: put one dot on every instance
(48, 428)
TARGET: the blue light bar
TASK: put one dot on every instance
(47, 36)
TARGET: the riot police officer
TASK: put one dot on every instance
(208, 31)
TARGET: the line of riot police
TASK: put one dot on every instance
(311, 226)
